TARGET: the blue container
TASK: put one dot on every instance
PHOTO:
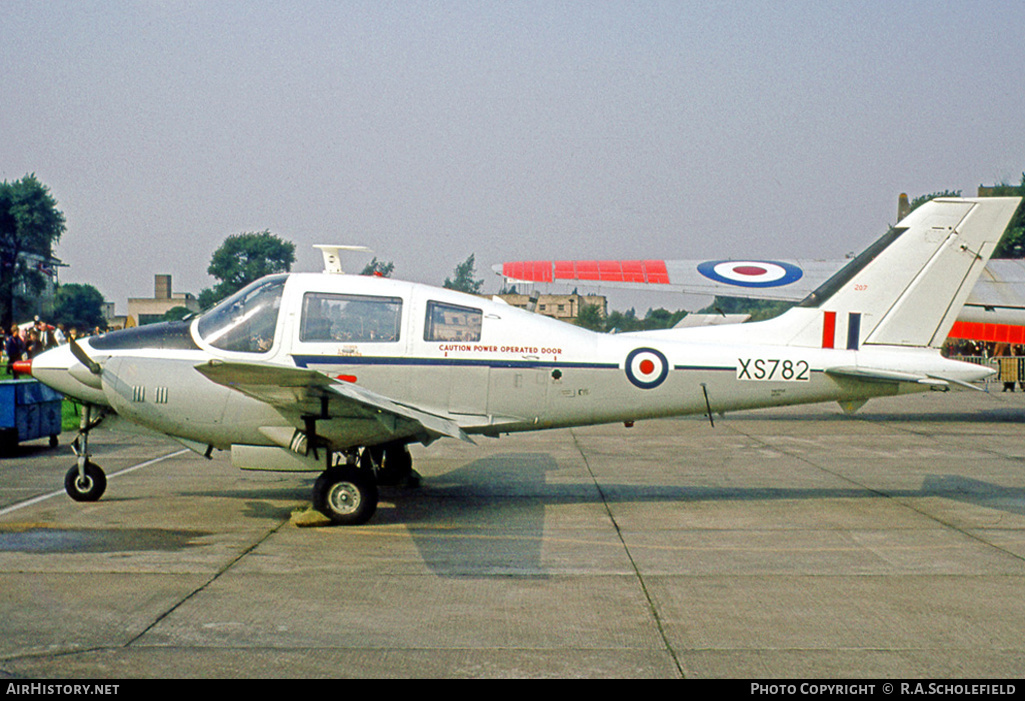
(28, 410)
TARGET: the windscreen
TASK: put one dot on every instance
(245, 322)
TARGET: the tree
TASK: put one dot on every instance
(590, 317)
(176, 313)
(922, 199)
(245, 258)
(1012, 245)
(620, 322)
(378, 267)
(464, 281)
(662, 318)
(623, 322)
(208, 297)
(79, 307)
(30, 225)
(759, 309)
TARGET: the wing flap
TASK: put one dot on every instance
(299, 392)
(432, 422)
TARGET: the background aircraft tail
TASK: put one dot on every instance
(907, 288)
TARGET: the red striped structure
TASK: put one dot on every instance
(651, 272)
(977, 331)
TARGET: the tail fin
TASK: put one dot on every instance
(907, 288)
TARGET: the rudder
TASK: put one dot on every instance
(908, 287)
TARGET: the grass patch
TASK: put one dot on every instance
(70, 415)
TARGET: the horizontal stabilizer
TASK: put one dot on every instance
(875, 375)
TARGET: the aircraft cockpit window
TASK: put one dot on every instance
(449, 322)
(337, 318)
(245, 322)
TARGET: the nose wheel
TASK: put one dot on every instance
(85, 481)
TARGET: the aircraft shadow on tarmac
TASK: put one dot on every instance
(997, 415)
(487, 517)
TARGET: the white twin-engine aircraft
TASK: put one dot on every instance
(339, 373)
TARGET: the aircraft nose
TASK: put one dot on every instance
(22, 367)
(58, 368)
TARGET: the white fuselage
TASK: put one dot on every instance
(489, 367)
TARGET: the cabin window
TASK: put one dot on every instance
(245, 322)
(335, 318)
(449, 322)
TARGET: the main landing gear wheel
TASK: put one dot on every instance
(346, 494)
(87, 484)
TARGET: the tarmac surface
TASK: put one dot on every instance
(781, 543)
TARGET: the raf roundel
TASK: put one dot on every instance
(646, 368)
(751, 273)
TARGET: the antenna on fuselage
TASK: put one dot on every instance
(333, 259)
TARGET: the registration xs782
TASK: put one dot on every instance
(775, 369)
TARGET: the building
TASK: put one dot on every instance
(28, 302)
(144, 310)
(562, 307)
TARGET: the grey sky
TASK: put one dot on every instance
(512, 130)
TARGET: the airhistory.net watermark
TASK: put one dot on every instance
(39, 688)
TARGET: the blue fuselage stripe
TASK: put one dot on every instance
(307, 360)
(731, 368)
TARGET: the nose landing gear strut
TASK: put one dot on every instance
(85, 481)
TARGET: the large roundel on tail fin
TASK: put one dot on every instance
(646, 368)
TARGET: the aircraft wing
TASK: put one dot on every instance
(994, 310)
(1002, 284)
(790, 280)
(299, 393)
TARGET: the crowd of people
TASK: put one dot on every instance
(960, 348)
(23, 342)
(1007, 358)
(957, 347)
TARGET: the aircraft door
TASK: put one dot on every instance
(518, 393)
(455, 330)
(468, 390)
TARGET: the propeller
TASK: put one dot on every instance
(82, 357)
